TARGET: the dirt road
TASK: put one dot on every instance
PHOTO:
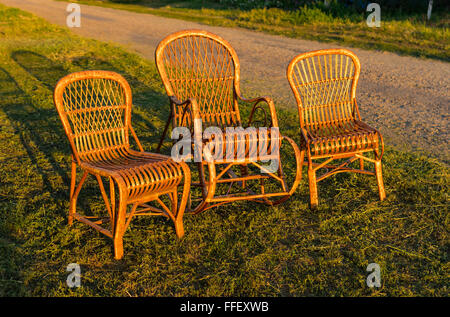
(405, 97)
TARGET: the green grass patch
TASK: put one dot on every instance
(403, 34)
(243, 249)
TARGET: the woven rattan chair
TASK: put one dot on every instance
(324, 84)
(200, 72)
(95, 109)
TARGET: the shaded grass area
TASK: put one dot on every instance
(243, 249)
(408, 35)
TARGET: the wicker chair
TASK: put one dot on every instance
(200, 72)
(95, 109)
(324, 84)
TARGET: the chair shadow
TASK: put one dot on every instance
(40, 67)
(26, 120)
(148, 103)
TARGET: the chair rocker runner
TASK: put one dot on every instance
(324, 84)
(201, 73)
(95, 109)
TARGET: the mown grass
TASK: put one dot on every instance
(243, 249)
(408, 35)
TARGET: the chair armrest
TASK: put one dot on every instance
(190, 105)
(256, 101)
(305, 139)
(304, 134)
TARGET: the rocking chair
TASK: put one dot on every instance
(200, 72)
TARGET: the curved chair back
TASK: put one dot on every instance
(95, 108)
(324, 84)
(198, 64)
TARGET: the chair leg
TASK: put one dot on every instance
(166, 127)
(118, 247)
(112, 197)
(179, 229)
(313, 196)
(380, 183)
(74, 194)
(119, 228)
(201, 174)
(177, 214)
(208, 187)
(179, 209)
(72, 190)
(244, 172)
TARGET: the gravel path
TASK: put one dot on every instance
(405, 97)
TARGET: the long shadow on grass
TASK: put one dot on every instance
(13, 98)
(37, 130)
(151, 104)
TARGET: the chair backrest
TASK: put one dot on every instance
(198, 64)
(95, 109)
(324, 84)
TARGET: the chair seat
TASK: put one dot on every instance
(350, 136)
(246, 146)
(142, 172)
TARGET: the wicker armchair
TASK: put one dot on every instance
(200, 72)
(95, 109)
(324, 84)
